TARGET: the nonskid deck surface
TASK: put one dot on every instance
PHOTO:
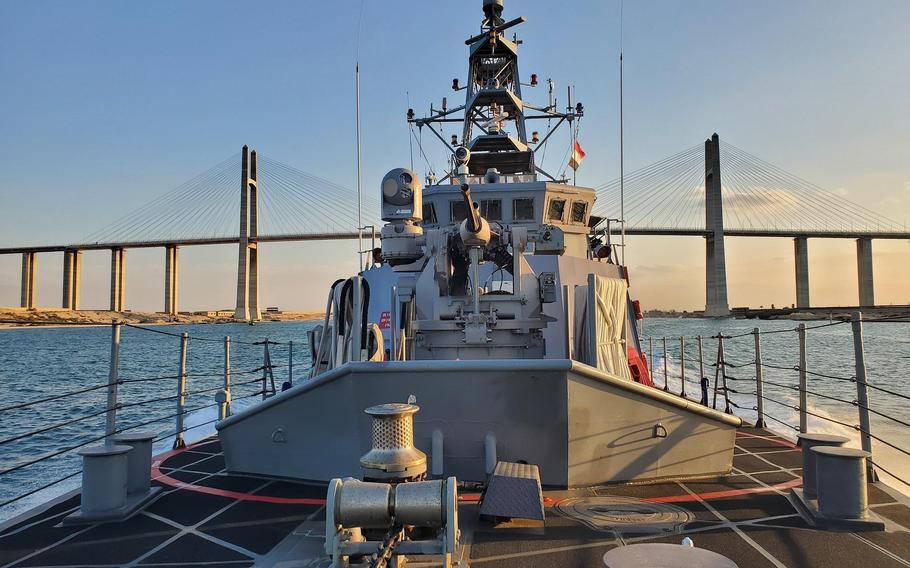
(208, 518)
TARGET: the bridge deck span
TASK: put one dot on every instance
(641, 231)
(183, 242)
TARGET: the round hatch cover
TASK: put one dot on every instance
(626, 514)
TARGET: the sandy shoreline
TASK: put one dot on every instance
(18, 318)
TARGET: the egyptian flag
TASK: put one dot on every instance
(577, 156)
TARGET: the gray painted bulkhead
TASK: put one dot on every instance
(317, 430)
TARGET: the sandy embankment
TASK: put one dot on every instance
(44, 317)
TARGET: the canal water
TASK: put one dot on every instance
(39, 363)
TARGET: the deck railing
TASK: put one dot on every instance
(730, 384)
(151, 408)
(742, 385)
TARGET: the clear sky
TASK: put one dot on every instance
(108, 104)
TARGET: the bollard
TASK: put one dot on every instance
(682, 365)
(862, 394)
(803, 399)
(113, 379)
(116, 479)
(841, 482)
(104, 481)
(665, 365)
(227, 377)
(759, 394)
(808, 441)
(181, 393)
(138, 460)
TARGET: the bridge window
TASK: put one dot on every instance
(579, 210)
(457, 211)
(557, 209)
(491, 209)
(523, 209)
(429, 214)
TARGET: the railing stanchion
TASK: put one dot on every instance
(113, 379)
(181, 393)
(862, 395)
(666, 388)
(265, 367)
(759, 396)
(651, 356)
(717, 370)
(682, 365)
(703, 380)
(803, 399)
(290, 363)
(224, 409)
(393, 324)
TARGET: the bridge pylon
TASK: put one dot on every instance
(247, 307)
(864, 272)
(716, 304)
(801, 254)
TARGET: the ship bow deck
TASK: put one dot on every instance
(208, 517)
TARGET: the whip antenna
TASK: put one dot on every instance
(622, 188)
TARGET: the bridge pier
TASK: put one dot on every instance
(118, 270)
(65, 303)
(171, 279)
(29, 272)
(247, 306)
(801, 253)
(72, 279)
(716, 304)
(864, 271)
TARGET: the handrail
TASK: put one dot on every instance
(113, 406)
(52, 398)
(53, 427)
(809, 377)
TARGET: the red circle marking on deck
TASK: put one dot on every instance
(467, 497)
(778, 441)
(724, 494)
(168, 480)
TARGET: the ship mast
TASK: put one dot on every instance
(494, 114)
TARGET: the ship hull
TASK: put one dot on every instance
(581, 426)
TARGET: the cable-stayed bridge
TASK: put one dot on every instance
(715, 190)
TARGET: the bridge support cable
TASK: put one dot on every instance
(757, 195)
(160, 218)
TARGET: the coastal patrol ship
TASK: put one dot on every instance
(478, 395)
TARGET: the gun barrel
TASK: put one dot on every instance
(473, 218)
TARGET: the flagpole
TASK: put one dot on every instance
(572, 128)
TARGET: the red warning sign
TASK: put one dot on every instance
(385, 320)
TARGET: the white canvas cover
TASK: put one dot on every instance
(600, 328)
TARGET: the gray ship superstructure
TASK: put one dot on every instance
(500, 307)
